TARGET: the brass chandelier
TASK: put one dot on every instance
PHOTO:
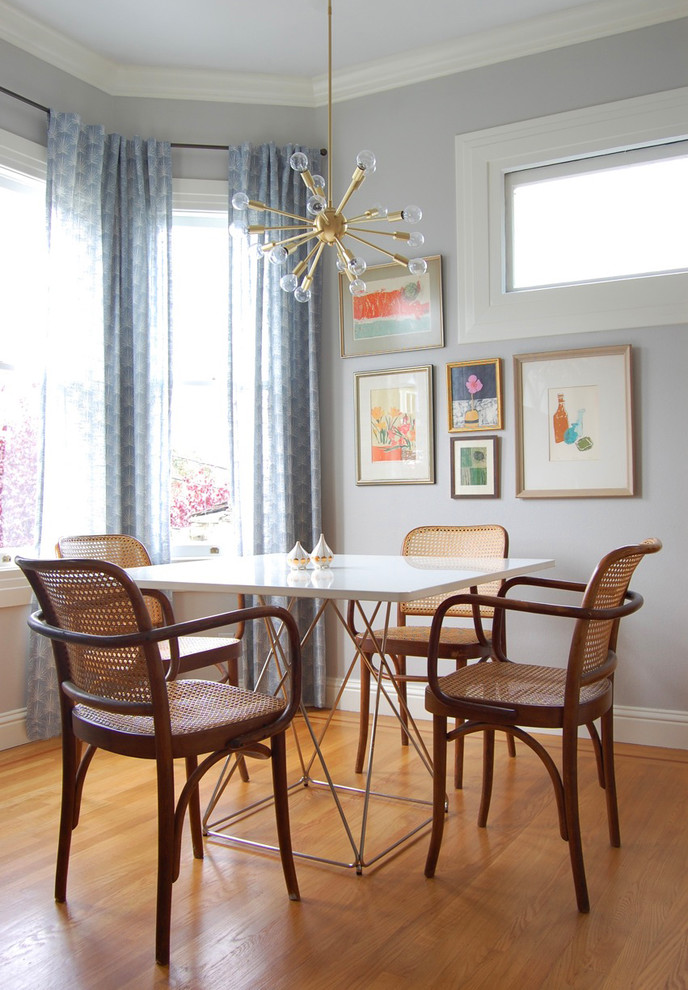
(326, 225)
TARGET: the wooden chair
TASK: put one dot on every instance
(190, 652)
(114, 696)
(459, 643)
(502, 694)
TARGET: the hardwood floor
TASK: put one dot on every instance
(501, 911)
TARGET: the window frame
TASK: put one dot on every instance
(30, 159)
(487, 311)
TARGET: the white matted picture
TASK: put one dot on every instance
(397, 312)
(574, 434)
(474, 467)
(394, 427)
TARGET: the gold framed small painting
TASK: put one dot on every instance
(474, 395)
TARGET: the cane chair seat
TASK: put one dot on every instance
(469, 638)
(199, 712)
(500, 694)
(117, 695)
(539, 692)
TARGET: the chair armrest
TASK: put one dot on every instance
(161, 633)
(538, 582)
(633, 601)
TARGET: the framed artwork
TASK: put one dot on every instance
(574, 429)
(474, 395)
(394, 427)
(474, 467)
(398, 311)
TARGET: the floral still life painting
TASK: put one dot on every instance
(393, 431)
(394, 426)
(474, 396)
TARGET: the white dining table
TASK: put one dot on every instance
(378, 580)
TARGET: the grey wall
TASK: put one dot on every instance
(412, 131)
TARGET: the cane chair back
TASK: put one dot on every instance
(459, 643)
(186, 653)
(507, 695)
(459, 542)
(114, 696)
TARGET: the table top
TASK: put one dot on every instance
(360, 577)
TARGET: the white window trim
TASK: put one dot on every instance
(201, 195)
(483, 158)
(22, 155)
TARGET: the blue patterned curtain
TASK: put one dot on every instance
(274, 393)
(105, 464)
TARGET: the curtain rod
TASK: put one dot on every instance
(173, 144)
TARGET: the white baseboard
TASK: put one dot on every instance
(642, 726)
(13, 728)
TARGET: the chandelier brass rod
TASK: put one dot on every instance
(399, 234)
(400, 260)
(329, 103)
(279, 213)
(260, 228)
(296, 241)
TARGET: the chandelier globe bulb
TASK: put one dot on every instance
(412, 214)
(299, 161)
(366, 160)
(240, 201)
(315, 205)
(302, 295)
(278, 255)
(357, 287)
(357, 266)
(418, 266)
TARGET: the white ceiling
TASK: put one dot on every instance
(144, 40)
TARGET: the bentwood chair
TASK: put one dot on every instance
(461, 641)
(114, 695)
(502, 694)
(191, 652)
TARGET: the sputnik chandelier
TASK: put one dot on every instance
(325, 224)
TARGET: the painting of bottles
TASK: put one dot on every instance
(574, 423)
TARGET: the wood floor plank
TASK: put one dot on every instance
(500, 912)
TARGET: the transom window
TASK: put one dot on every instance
(607, 217)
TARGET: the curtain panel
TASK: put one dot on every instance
(275, 479)
(106, 448)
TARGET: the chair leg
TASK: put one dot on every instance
(488, 775)
(363, 714)
(570, 782)
(281, 791)
(195, 811)
(166, 866)
(439, 793)
(400, 670)
(610, 777)
(230, 675)
(510, 745)
(68, 812)
(458, 757)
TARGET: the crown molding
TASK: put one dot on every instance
(538, 34)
